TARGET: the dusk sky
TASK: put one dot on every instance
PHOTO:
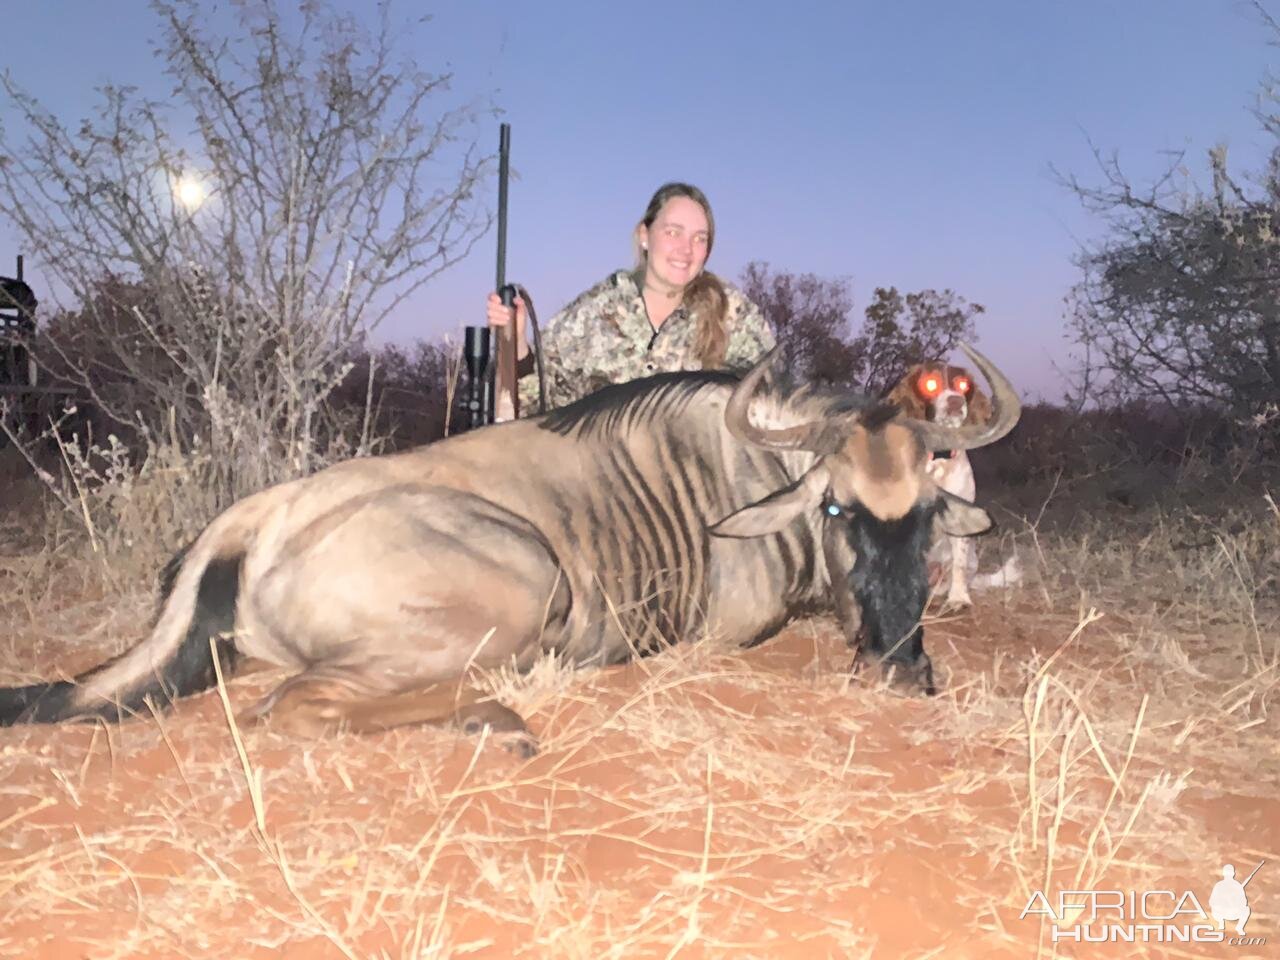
(904, 144)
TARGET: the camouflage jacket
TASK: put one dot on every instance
(604, 336)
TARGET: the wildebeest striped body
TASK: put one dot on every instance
(607, 536)
(626, 521)
(655, 471)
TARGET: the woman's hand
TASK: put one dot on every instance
(499, 316)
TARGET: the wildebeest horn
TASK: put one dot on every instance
(970, 436)
(738, 419)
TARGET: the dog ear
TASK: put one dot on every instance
(979, 404)
(904, 395)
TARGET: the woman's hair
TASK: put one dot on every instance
(704, 296)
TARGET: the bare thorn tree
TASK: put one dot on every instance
(1180, 299)
(220, 252)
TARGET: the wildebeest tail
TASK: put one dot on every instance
(198, 601)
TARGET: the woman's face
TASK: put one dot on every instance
(677, 243)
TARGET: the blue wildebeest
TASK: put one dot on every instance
(646, 513)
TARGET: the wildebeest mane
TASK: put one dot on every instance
(621, 405)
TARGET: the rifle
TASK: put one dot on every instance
(1250, 876)
(485, 400)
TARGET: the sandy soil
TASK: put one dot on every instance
(702, 803)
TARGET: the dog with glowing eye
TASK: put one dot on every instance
(949, 396)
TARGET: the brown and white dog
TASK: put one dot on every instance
(949, 396)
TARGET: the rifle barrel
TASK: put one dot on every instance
(504, 162)
(1250, 877)
(506, 404)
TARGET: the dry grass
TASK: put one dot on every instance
(1109, 725)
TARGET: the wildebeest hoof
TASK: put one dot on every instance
(919, 676)
(474, 717)
(857, 640)
(522, 745)
(508, 726)
(909, 677)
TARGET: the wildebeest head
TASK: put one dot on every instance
(878, 506)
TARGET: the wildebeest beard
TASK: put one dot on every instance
(891, 583)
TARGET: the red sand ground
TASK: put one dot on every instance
(703, 803)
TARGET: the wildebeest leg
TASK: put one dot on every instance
(465, 708)
(388, 604)
(319, 703)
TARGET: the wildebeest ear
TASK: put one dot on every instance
(960, 518)
(778, 509)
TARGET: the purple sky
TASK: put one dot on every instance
(902, 144)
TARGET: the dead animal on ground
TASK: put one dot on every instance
(649, 512)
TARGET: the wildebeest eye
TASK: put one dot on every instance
(833, 509)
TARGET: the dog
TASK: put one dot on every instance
(949, 396)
